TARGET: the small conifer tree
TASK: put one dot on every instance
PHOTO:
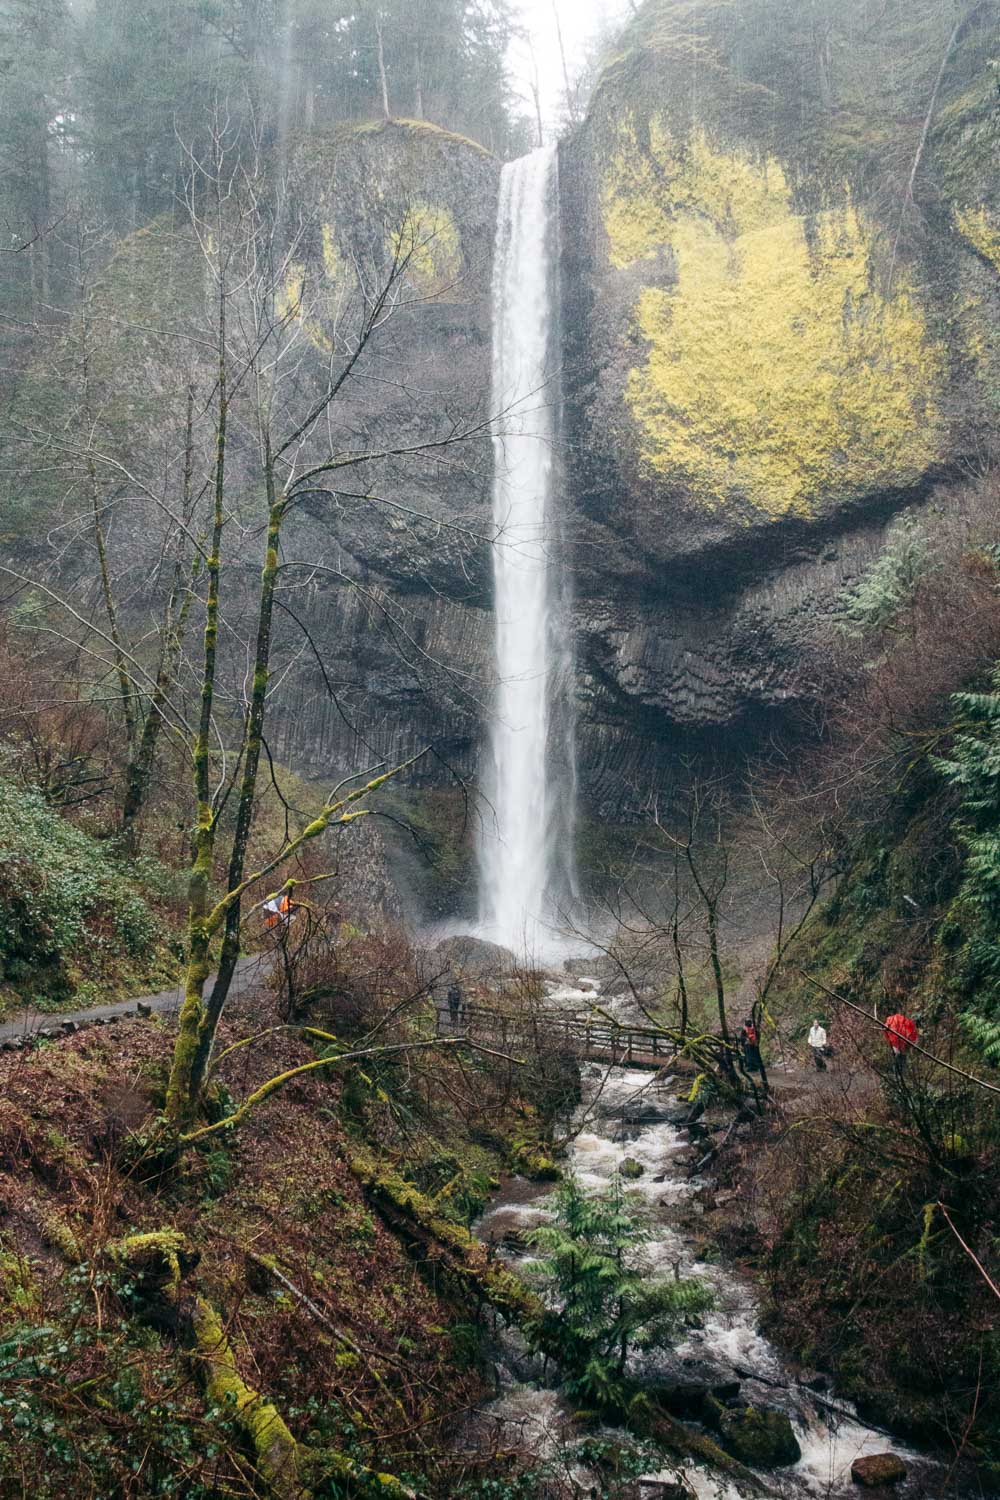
(610, 1303)
(880, 595)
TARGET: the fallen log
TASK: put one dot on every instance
(463, 1260)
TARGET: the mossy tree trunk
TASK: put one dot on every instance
(263, 371)
(181, 1097)
(252, 744)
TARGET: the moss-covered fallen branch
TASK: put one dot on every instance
(331, 1060)
(278, 1456)
(463, 1259)
(416, 1219)
(291, 1470)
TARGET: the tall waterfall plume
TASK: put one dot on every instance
(525, 852)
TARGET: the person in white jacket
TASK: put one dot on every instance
(817, 1044)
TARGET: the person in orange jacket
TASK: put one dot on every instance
(279, 912)
(751, 1046)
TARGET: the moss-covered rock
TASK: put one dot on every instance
(877, 1470)
(538, 1167)
(769, 350)
(780, 377)
(760, 1438)
(770, 345)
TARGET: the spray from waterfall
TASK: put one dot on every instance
(525, 853)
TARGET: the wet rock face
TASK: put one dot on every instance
(760, 367)
(877, 1470)
(399, 603)
(758, 377)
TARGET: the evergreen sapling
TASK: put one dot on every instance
(611, 1305)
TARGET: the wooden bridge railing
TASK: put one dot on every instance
(581, 1034)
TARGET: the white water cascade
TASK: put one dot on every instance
(526, 830)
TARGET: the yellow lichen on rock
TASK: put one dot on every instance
(294, 303)
(632, 206)
(777, 371)
(312, 300)
(981, 232)
(427, 240)
(333, 261)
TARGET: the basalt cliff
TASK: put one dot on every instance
(778, 306)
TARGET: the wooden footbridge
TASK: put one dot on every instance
(586, 1036)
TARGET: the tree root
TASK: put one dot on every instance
(463, 1260)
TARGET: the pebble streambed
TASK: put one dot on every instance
(627, 1113)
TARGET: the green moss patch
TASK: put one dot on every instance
(71, 918)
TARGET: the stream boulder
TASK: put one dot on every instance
(758, 1436)
(474, 957)
(878, 1469)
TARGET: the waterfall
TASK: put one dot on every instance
(525, 844)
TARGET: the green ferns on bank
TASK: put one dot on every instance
(973, 769)
(67, 911)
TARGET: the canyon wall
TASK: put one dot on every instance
(782, 284)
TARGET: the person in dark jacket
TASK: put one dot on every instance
(456, 1005)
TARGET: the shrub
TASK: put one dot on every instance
(892, 581)
(63, 900)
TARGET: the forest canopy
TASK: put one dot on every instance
(105, 97)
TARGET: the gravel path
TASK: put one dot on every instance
(31, 1023)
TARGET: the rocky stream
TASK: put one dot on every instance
(720, 1370)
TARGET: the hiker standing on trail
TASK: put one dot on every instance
(901, 1033)
(454, 1002)
(751, 1047)
(817, 1045)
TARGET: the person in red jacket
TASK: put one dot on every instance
(901, 1033)
(751, 1046)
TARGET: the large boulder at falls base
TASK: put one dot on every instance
(474, 957)
(877, 1470)
(760, 1438)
